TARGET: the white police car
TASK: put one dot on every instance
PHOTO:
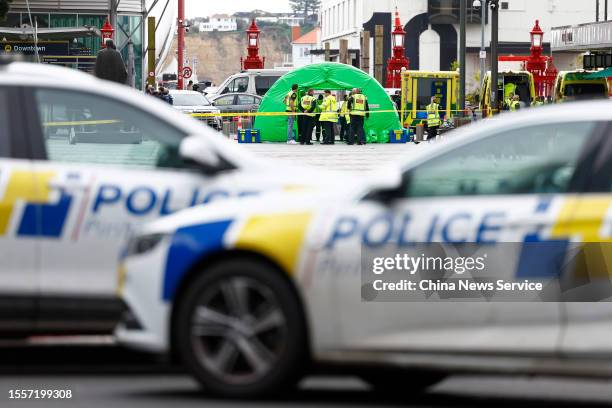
(81, 162)
(247, 292)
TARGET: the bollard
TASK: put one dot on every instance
(419, 135)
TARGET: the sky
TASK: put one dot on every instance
(203, 8)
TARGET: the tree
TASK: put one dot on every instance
(4, 7)
(305, 7)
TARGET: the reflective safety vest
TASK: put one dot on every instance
(344, 112)
(433, 116)
(290, 105)
(329, 109)
(306, 104)
(359, 105)
(514, 105)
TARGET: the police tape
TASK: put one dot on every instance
(371, 112)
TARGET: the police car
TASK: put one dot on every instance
(82, 161)
(247, 293)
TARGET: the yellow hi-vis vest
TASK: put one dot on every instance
(433, 116)
(290, 105)
(306, 104)
(329, 109)
(344, 112)
(359, 105)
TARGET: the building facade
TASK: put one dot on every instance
(68, 30)
(219, 22)
(301, 49)
(432, 28)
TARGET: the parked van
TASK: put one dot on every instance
(253, 81)
(417, 89)
(516, 82)
(575, 85)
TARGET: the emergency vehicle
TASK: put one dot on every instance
(65, 209)
(417, 89)
(576, 85)
(248, 293)
(508, 82)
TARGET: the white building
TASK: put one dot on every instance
(432, 29)
(301, 49)
(219, 22)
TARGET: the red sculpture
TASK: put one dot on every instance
(398, 61)
(253, 60)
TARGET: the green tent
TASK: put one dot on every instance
(334, 76)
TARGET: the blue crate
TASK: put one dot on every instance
(398, 136)
(421, 115)
(249, 136)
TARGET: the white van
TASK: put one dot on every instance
(253, 81)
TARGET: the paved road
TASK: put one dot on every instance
(105, 376)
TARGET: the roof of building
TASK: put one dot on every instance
(310, 37)
(221, 16)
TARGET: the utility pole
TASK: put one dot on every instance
(494, 41)
(483, 51)
(462, 63)
(181, 42)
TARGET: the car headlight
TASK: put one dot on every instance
(141, 244)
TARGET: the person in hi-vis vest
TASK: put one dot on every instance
(308, 105)
(359, 109)
(291, 104)
(329, 116)
(433, 119)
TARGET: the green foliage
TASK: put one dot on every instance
(4, 8)
(305, 7)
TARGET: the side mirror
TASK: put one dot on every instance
(383, 196)
(196, 149)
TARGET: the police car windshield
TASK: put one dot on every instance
(189, 99)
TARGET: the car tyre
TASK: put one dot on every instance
(241, 331)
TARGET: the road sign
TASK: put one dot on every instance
(483, 54)
(187, 72)
(151, 74)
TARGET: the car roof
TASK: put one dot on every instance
(25, 73)
(236, 93)
(184, 91)
(579, 111)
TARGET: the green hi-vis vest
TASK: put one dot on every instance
(306, 103)
(359, 105)
(290, 104)
(433, 116)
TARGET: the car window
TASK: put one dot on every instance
(79, 127)
(532, 160)
(263, 83)
(240, 84)
(225, 101)
(246, 100)
(5, 142)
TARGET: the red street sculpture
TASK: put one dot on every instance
(253, 60)
(398, 60)
(541, 67)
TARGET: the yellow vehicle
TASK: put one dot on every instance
(574, 85)
(417, 89)
(508, 82)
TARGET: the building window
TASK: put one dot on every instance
(504, 5)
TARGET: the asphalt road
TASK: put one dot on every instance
(106, 376)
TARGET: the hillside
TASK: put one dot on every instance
(219, 52)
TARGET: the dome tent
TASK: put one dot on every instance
(334, 76)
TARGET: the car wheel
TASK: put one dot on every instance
(400, 382)
(240, 330)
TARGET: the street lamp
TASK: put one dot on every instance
(536, 36)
